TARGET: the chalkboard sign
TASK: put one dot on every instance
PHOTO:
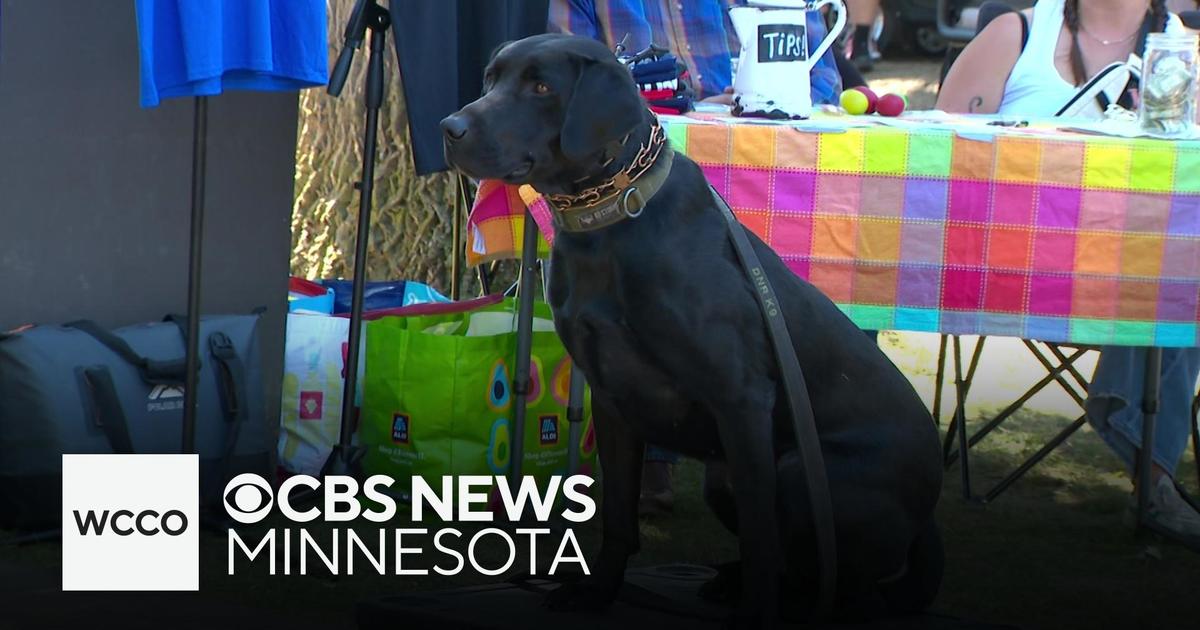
(782, 42)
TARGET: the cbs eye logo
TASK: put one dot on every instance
(248, 498)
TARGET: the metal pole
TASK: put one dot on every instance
(524, 344)
(1035, 458)
(1150, 395)
(960, 416)
(939, 378)
(343, 458)
(195, 267)
(456, 247)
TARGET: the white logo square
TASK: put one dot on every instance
(131, 523)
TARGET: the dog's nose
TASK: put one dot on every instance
(455, 127)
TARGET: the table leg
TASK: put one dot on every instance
(1150, 397)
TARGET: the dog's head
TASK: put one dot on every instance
(551, 104)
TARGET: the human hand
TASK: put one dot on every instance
(724, 98)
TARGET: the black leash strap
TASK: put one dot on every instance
(803, 422)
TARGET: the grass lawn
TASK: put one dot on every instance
(1052, 552)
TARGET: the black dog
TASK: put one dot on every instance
(663, 321)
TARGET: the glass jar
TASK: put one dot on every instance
(1168, 86)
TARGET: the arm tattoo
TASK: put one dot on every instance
(975, 102)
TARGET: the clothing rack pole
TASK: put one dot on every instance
(192, 361)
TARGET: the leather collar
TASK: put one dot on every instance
(622, 196)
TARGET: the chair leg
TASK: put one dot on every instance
(960, 395)
(1055, 373)
(1035, 458)
(1052, 375)
(938, 381)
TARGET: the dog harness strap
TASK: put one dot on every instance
(803, 421)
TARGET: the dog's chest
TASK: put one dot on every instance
(612, 354)
(620, 364)
(620, 367)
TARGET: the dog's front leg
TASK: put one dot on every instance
(621, 452)
(746, 435)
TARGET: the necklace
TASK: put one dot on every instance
(1109, 42)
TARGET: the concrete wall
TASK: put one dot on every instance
(95, 190)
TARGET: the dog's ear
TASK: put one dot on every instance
(496, 51)
(605, 105)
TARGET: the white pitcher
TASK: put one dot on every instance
(773, 70)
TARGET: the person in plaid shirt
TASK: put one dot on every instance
(697, 31)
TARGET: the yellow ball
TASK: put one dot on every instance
(855, 102)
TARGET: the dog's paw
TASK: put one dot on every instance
(584, 595)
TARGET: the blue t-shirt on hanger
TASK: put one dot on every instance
(203, 47)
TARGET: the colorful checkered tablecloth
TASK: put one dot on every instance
(982, 230)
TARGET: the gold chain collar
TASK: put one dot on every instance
(609, 189)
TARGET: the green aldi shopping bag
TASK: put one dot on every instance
(437, 397)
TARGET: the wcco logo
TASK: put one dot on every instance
(146, 522)
(130, 523)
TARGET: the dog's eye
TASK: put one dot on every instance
(541, 88)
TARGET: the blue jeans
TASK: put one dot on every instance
(1114, 404)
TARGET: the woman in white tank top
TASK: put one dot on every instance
(1034, 87)
(1069, 41)
(994, 74)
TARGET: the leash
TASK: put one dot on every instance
(803, 422)
(624, 196)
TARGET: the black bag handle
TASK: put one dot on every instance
(231, 376)
(231, 385)
(109, 415)
(153, 371)
(231, 379)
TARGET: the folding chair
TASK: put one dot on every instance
(1059, 361)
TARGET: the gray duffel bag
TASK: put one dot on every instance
(81, 389)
